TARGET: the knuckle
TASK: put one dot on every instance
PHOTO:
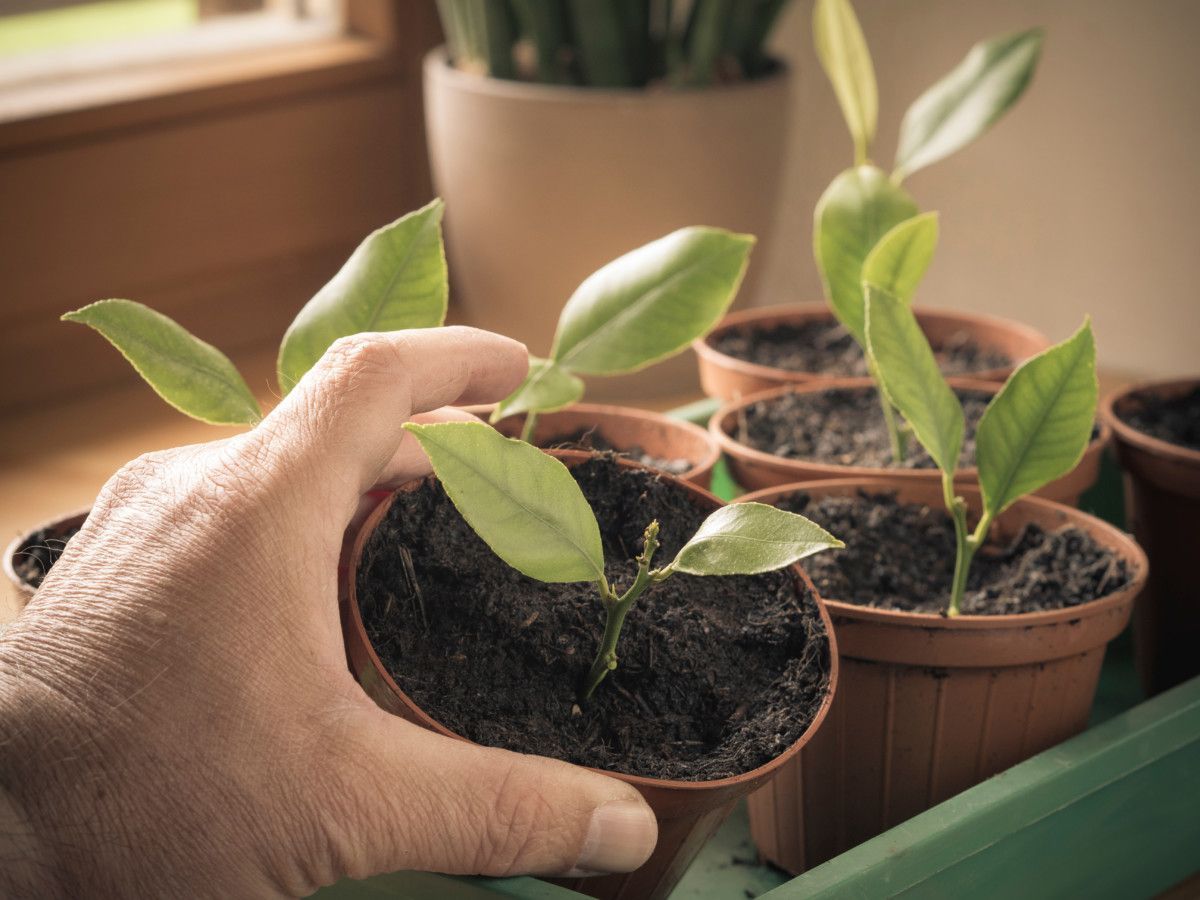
(520, 817)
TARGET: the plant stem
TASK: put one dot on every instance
(616, 608)
(966, 545)
(531, 418)
(895, 433)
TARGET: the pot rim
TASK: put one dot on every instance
(63, 520)
(1127, 434)
(1116, 540)
(436, 65)
(712, 451)
(348, 595)
(818, 309)
(734, 447)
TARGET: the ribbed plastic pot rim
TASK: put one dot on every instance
(1140, 439)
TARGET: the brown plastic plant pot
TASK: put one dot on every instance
(728, 378)
(928, 706)
(755, 470)
(688, 812)
(1162, 498)
(21, 590)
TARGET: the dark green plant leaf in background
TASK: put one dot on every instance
(1037, 428)
(898, 262)
(749, 538)
(910, 378)
(847, 62)
(652, 302)
(522, 502)
(395, 279)
(194, 377)
(546, 388)
(858, 208)
(962, 106)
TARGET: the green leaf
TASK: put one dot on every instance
(847, 61)
(522, 502)
(858, 208)
(910, 378)
(652, 302)
(965, 103)
(546, 388)
(1037, 428)
(395, 279)
(898, 262)
(748, 538)
(193, 376)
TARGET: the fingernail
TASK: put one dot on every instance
(620, 837)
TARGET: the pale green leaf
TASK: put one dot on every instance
(847, 62)
(898, 262)
(748, 538)
(395, 279)
(522, 502)
(193, 376)
(965, 103)
(652, 302)
(1037, 428)
(858, 208)
(546, 388)
(910, 378)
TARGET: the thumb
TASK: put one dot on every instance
(420, 800)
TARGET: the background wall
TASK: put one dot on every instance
(1085, 198)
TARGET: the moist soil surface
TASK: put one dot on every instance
(841, 426)
(717, 675)
(594, 439)
(826, 347)
(40, 552)
(1175, 420)
(901, 556)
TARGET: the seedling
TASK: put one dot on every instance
(639, 309)
(864, 203)
(525, 505)
(395, 279)
(1033, 431)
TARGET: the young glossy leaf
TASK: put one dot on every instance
(1037, 427)
(652, 302)
(546, 388)
(962, 106)
(522, 502)
(911, 379)
(858, 208)
(846, 60)
(193, 376)
(748, 538)
(898, 262)
(395, 279)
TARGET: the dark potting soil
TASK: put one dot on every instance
(843, 427)
(901, 556)
(593, 439)
(825, 346)
(1172, 419)
(40, 552)
(717, 676)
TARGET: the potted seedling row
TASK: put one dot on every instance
(971, 622)
(847, 428)
(1157, 429)
(756, 350)
(579, 606)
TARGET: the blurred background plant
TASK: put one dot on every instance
(617, 44)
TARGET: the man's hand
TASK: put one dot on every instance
(176, 715)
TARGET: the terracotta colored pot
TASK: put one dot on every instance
(546, 183)
(927, 705)
(20, 591)
(624, 427)
(1162, 500)
(755, 470)
(728, 378)
(688, 812)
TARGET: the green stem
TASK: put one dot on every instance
(966, 545)
(895, 433)
(616, 609)
(531, 418)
